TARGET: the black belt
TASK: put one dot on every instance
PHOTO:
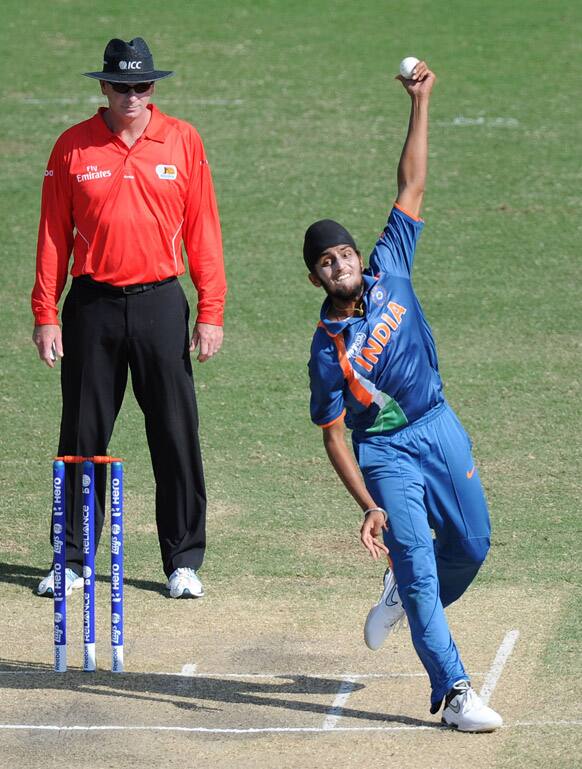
(136, 288)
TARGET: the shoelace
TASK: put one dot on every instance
(471, 700)
(400, 624)
(183, 574)
(469, 697)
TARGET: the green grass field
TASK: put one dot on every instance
(302, 120)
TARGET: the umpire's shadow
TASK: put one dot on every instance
(30, 576)
(198, 693)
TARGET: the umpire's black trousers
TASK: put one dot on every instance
(106, 333)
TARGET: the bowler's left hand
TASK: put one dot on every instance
(372, 528)
(208, 339)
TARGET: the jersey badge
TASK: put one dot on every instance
(378, 296)
(166, 172)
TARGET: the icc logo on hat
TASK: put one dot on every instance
(130, 64)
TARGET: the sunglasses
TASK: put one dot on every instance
(127, 87)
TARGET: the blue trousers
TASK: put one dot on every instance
(438, 527)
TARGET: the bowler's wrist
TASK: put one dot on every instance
(376, 510)
(420, 100)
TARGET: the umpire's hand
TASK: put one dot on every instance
(49, 343)
(208, 339)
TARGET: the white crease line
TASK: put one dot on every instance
(263, 730)
(563, 722)
(251, 676)
(501, 658)
(212, 730)
(335, 713)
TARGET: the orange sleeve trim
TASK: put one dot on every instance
(358, 391)
(322, 325)
(333, 421)
(404, 211)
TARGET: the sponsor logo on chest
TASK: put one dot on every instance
(165, 171)
(93, 172)
(368, 354)
(356, 346)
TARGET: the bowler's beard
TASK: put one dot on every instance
(345, 293)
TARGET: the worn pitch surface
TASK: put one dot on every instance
(223, 683)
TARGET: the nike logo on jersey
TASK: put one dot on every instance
(380, 336)
(471, 472)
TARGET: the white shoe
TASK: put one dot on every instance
(465, 710)
(184, 583)
(47, 586)
(384, 615)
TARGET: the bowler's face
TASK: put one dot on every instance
(339, 271)
(127, 106)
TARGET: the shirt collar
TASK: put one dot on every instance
(157, 129)
(334, 327)
(159, 125)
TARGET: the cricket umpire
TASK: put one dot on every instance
(374, 368)
(122, 191)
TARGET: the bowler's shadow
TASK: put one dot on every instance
(201, 693)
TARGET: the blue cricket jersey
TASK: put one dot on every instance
(380, 369)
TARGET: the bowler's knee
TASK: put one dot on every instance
(471, 551)
(474, 550)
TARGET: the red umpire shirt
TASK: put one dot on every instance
(124, 213)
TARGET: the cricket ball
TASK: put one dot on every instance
(407, 66)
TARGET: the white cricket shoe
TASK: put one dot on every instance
(466, 711)
(184, 583)
(384, 615)
(47, 586)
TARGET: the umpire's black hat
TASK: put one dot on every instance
(130, 62)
